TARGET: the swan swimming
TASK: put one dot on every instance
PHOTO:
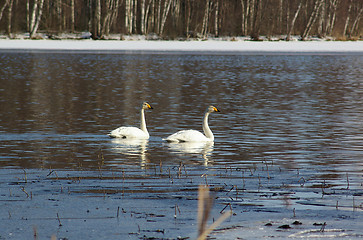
(133, 132)
(194, 135)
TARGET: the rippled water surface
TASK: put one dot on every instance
(288, 143)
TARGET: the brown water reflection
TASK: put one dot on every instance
(293, 109)
(290, 135)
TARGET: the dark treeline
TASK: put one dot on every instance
(171, 19)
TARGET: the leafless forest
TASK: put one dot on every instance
(173, 19)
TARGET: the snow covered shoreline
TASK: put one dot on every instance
(185, 46)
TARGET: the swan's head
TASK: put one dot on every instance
(211, 109)
(146, 106)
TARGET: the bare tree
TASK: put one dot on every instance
(142, 16)
(3, 8)
(97, 20)
(183, 17)
(251, 14)
(207, 9)
(216, 19)
(72, 16)
(111, 10)
(322, 19)
(331, 16)
(129, 16)
(58, 6)
(187, 18)
(291, 25)
(165, 13)
(36, 17)
(158, 17)
(347, 19)
(10, 10)
(255, 30)
(245, 15)
(356, 20)
(280, 14)
(146, 18)
(312, 18)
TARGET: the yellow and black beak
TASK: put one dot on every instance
(149, 106)
(216, 110)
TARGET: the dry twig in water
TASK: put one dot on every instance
(205, 202)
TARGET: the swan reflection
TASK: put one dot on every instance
(203, 148)
(131, 147)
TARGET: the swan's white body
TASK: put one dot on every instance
(133, 132)
(194, 135)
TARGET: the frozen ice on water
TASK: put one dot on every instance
(214, 45)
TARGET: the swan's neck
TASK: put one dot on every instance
(143, 122)
(208, 133)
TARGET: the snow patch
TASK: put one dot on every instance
(151, 43)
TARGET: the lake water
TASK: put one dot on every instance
(288, 144)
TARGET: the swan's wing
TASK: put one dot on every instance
(187, 136)
(128, 132)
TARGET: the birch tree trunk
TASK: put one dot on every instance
(127, 12)
(146, 19)
(293, 22)
(322, 21)
(116, 6)
(36, 17)
(216, 19)
(59, 14)
(95, 18)
(106, 18)
(251, 14)
(27, 16)
(245, 15)
(72, 16)
(90, 15)
(175, 14)
(347, 19)
(242, 17)
(328, 17)
(111, 12)
(152, 17)
(280, 14)
(97, 23)
(255, 31)
(105, 29)
(165, 14)
(312, 19)
(3, 8)
(129, 16)
(142, 17)
(287, 16)
(356, 20)
(204, 30)
(10, 10)
(188, 15)
(332, 14)
(134, 21)
(33, 18)
(157, 16)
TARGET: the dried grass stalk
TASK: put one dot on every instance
(205, 202)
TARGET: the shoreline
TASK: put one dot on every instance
(216, 46)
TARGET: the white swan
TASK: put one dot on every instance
(133, 132)
(193, 135)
